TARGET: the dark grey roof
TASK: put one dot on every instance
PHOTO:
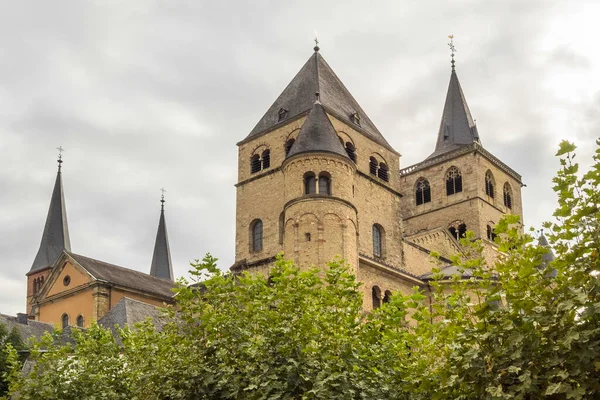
(161, 266)
(298, 97)
(55, 238)
(457, 127)
(317, 134)
(548, 257)
(124, 277)
(26, 328)
(128, 312)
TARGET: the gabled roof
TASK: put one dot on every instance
(317, 135)
(457, 127)
(298, 98)
(55, 237)
(124, 277)
(161, 266)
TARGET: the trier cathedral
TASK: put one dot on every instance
(316, 181)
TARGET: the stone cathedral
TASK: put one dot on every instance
(318, 180)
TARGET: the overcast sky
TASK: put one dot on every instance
(146, 94)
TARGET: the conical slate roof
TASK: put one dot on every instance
(298, 97)
(55, 238)
(317, 135)
(457, 127)
(161, 259)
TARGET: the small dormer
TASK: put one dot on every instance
(282, 113)
(355, 117)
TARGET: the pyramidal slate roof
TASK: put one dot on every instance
(128, 312)
(317, 134)
(457, 127)
(161, 259)
(298, 97)
(55, 237)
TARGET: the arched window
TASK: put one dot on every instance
(490, 232)
(376, 294)
(288, 145)
(281, 227)
(383, 172)
(256, 229)
(351, 150)
(35, 286)
(255, 163)
(80, 321)
(387, 296)
(65, 320)
(489, 184)
(453, 181)
(458, 229)
(266, 159)
(377, 241)
(373, 166)
(423, 192)
(324, 183)
(310, 183)
(507, 195)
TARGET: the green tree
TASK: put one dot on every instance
(8, 340)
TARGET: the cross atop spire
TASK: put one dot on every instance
(60, 161)
(162, 198)
(316, 48)
(452, 49)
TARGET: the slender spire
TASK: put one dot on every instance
(55, 237)
(457, 128)
(161, 259)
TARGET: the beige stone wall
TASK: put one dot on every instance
(77, 303)
(418, 262)
(385, 279)
(437, 239)
(76, 277)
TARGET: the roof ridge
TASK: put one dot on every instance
(111, 265)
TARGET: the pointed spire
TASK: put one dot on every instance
(55, 237)
(457, 127)
(317, 134)
(161, 259)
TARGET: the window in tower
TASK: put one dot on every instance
(325, 183)
(256, 230)
(490, 232)
(376, 294)
(507, 195)
(65, 320)
(35, 286)
(423, 191)
(378, 236)
(351, 150)
(387, 297)
(373, 166)
(310, 183)
(458, 229)
(383, 172)
(288, 145)
(307, 237)
(453, 181)
(489, 184)
(80, 321)
(255, 163)
(266, 159)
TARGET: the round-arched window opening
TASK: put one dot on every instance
(66, 280)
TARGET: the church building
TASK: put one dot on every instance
(318, 180)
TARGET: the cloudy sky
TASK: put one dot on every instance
(146, 94)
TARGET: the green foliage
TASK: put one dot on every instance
(523, 328)
(9, 341)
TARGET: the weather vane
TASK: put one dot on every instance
(452, 48)
(316, 41)
(60, 150)
(162, 198)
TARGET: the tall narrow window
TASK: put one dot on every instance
(383, 172)
(310, 183)
(489, 184)
(453, 181)
(80, 321)
(377, 241)
(423, 192)
(351, 150)
(288, 145)
(373, 166)
(35, 286)
(65, 320)
(324, 183)
(266, 159)
(387, 296)
(376, 294)
(255, 163)
(257, 235)
(507, 195)
(490, 233)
